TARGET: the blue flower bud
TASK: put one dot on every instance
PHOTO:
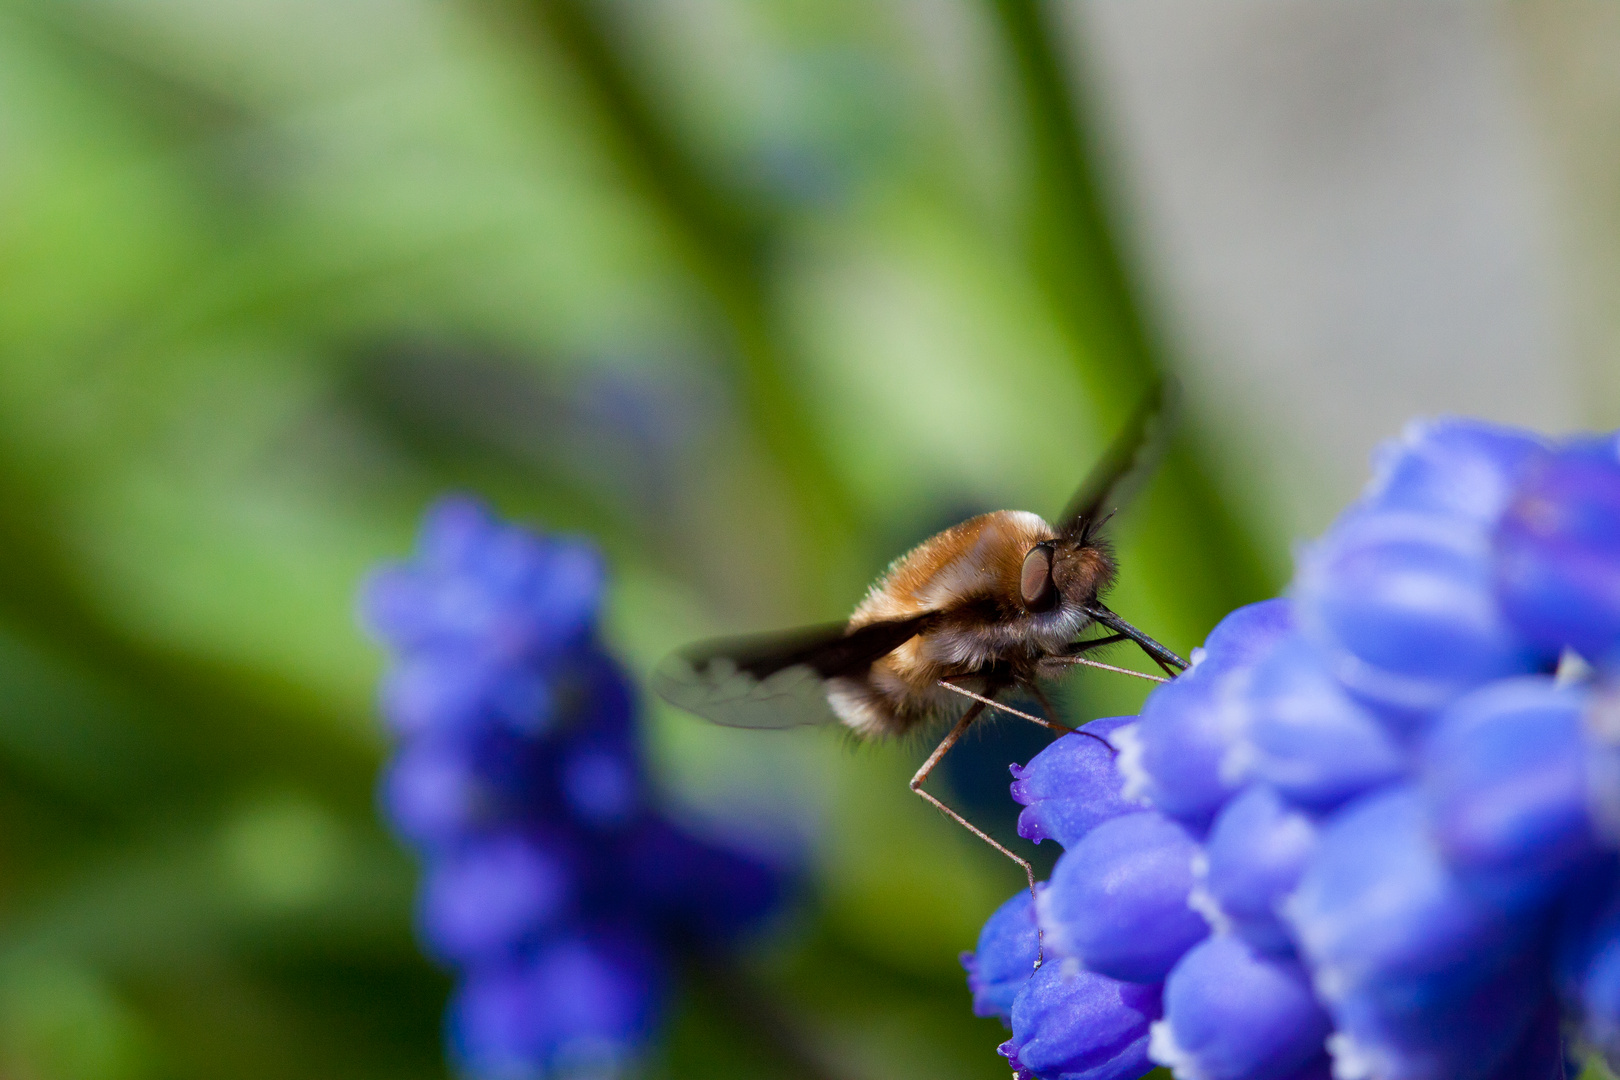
(1307, 738)
(1434, 1028)
(1558, 551)
(1071, 786)
(1117, 900)
(1424, 979)
(491, 896)
(1173, 755)
(1376, 900)
(1452, 467)
(1404, 608)
(1233, 1014)
(579, 1006)
(1072, 1024)
(1255, 853)
(1505, 781)
(1005, 958)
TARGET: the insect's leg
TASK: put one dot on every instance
(1081, 660)
(1051, 711)
(982, 701)
(1079, 647)
(940, 751)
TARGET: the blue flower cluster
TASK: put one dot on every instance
(552, 887)
(1372, 832)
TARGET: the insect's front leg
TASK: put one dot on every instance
(1075, 648)
(982, 700)
(1053, 666)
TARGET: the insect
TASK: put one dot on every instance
(996, 603)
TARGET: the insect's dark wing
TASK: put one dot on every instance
(1128, 462)
(775, 680)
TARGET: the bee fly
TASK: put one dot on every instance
(996, 603)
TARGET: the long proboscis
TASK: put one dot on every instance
(1169, 661)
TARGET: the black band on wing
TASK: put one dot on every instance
(776, 680)
(828, 650)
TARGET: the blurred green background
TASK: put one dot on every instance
(754, 294)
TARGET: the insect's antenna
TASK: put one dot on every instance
(1158, 653)
(1093, 526)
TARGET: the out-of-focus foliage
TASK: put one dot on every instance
(754, 294)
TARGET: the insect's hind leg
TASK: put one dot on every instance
(940, 751)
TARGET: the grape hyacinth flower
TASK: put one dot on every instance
(551, 886)
(1373, 832)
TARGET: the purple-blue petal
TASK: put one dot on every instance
(1072, 1024)
(1231, 1013)
(1505, 780)
(1174, 755)
(1376, 901)
(1253, 858)
(1540, 1054)
(1424, 978)
(1118, 900)
(1451, 466)
(1001, 965)
(1438, 1028)
(1307, 738)
(1558, 551)
(1071, 786)
(1404, 607)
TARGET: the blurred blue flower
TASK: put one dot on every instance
(550, 883)
(493, 895)
(1402, 825)
(577, 1006)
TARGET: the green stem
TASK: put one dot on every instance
(1212, 560)
(729, 251)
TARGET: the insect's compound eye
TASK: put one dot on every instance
(1035, 583)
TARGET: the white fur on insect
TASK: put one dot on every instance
(973, 576)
